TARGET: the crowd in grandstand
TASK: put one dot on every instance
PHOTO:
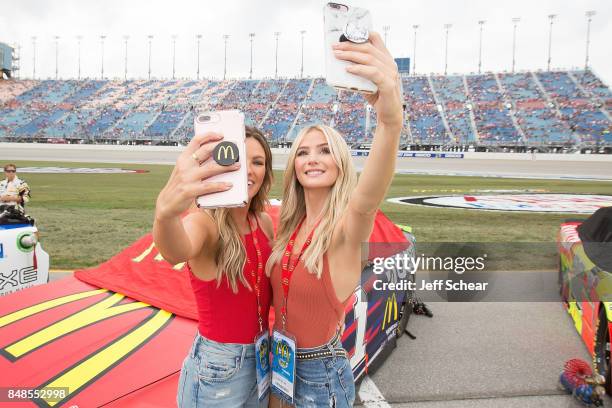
(529, 109)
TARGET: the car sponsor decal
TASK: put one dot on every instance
(549, 203)
(94, 365)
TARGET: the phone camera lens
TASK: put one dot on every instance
(204, 118)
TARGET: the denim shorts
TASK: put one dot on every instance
(218, 375)
(324, 382)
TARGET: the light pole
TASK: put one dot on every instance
(102, 37)
(34, 57)
(173, 55)
(551, 17)
(481, 24)
(589, 14)
(225, 38)
(302, 32)
(125, 41)
(386, 29)
(199, 37)
(515, 21)
(276, 34)
(446, 27)
(150, 37)
(18, 70)
(415, 27)
(251, 37)
(56, 52)
(79, 38)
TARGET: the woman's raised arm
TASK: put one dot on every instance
(374, 62)
(179, 240)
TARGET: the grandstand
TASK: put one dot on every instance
(556, 111)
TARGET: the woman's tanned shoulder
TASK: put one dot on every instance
(266, 224)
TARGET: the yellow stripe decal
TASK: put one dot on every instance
(95, 365)
(41, 307)
(95, 313)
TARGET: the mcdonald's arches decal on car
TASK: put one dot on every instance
(391, 313)
(95, 364)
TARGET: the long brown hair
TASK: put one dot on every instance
(231, 255)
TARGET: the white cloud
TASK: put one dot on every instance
(138, 18)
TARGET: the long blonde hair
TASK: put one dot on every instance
(293, 208)
(231, 254)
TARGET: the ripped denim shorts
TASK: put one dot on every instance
(218, 375)
(324, 382)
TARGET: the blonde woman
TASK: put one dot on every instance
(326, 215)
(225, 250)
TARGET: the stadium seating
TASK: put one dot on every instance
(538, 120)
(425, 119)
(451, 90)
(318, 107)
(528, 109)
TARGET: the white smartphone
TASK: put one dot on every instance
(336, 18)
(230, 149)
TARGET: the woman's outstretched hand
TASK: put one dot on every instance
(374, 62)
(189, 177)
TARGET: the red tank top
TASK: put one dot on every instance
(229, 317)
(314, 312)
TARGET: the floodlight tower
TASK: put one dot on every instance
(102, 37)
(515, 22)
(386, 29)
(199, 38)
(481, 24)
(446, 27)
(174, 36)
(276, 35)
(415, 27)
(56, 37)
(551, 17)
(225, 38)
(589, 14)
(251, 38)
(302, 32)
(150, 37)
(125, 61)
(34, 57)
(79, 38)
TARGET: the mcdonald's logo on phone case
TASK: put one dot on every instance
(226, 153)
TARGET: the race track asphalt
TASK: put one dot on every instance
(505, 167)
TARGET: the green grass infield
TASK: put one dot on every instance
(84, 219)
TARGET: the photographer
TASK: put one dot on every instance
(13, 190)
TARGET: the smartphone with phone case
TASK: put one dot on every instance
(232, 148)
(336, 18)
